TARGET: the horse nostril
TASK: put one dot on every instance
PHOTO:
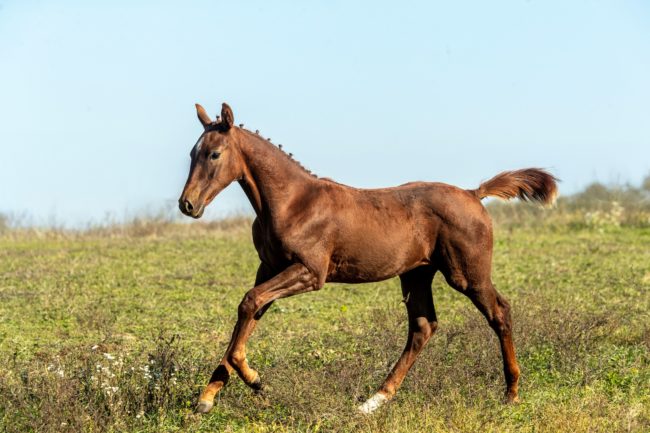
(188, 206)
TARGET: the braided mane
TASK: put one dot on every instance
(289, 156)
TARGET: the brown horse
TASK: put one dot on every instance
(310, 231)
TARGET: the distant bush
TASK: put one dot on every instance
(646, 184)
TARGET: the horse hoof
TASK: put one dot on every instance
(204, 406)
(372, 404)
(257, 384)
(512, 399)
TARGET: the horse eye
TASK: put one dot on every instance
(214, 155)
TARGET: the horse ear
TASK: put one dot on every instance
(227, 118)
(203, 116)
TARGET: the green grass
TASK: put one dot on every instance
(120, 333)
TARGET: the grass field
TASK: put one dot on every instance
(120, 332)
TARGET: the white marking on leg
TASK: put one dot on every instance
(373, 403)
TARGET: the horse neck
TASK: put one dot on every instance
(271, 178)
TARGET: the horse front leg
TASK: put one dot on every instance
(222, 373)
(294, 280)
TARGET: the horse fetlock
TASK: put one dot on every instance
(251, 378)
(512, 398)
(512, 391)
(373, 403)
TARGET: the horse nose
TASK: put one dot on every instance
(187, 206)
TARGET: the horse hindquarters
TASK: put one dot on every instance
(465, 259)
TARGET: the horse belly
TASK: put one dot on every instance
(368, 262)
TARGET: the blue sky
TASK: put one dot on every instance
(97, 114)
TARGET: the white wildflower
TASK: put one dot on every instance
(110, 390)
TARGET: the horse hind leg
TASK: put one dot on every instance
(496, 309)
(416, 288)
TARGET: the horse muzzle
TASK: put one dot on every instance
(191, 209)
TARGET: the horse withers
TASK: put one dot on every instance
(310, 230)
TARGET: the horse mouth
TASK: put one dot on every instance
(198, 213)
(195, 213)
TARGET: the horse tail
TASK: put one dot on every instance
(528, 184)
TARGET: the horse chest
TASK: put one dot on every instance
(270, 248)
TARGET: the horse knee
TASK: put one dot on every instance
(422, 332)
(422, 327)
(419, 340)
(247, 307)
